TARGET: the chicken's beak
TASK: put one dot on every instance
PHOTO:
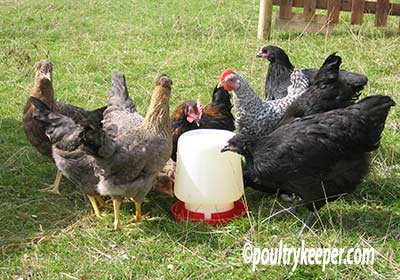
(226, 148)
(197, 121)
(165, 188)
(220, 84)
(263, 54)
(47, 76)
(169, 192)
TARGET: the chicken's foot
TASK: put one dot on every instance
(100, 201)
(307, 224)
(93, 202)
(55, 187)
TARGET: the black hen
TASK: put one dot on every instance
(326, 93)
(280, 68)
(319, 157)
(217, 114)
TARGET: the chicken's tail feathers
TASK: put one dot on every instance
(96, 141)
(222, 97)
(376, 109)
(61, 130)
(40, 105)
(97, 115)
(118, 96)
(330, 68)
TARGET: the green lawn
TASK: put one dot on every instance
(45, 236)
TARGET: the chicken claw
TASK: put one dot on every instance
(93, 202)
(55, 187)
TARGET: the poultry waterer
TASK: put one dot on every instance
(208, 183)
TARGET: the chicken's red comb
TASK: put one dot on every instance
(225, 74)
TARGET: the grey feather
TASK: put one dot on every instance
(255, 116)
(138, 153)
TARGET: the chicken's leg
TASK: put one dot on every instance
(116, 204)
(55, 187)
(102, 204)
(93, 201)
(307, 224)
(138, 207)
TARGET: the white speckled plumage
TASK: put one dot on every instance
(255, 116)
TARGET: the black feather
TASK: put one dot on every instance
(279, 70)
(319, 157)
(327, 92)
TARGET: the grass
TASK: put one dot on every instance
(46, 236)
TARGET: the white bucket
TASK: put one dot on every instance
(207, 180)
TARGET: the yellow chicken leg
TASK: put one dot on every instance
(55, 187)
(102, 204)
(116, 204)
(138, 207)
(93, 201)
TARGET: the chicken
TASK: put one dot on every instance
(166, 179)
(65, 136)
(34, 129)
(326, 93)
(129, 152)
(280, 68)
(319, 157)
(186, 117)
(255, 116)
(191, 115)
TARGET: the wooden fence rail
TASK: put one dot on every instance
(311, 22)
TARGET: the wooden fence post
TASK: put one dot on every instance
(357, 11)
(265, 19)
(309, 9)
(285, 9)
(382, 12)
(333, 11)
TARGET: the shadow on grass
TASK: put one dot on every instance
(355, 214)
(28, 215)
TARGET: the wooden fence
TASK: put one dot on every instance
(309, 21)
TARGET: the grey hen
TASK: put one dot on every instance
(44, 91)
(129, 151)
(255, 116)
(280, 68)
(65, 136)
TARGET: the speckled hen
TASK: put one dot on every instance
(255, 116)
